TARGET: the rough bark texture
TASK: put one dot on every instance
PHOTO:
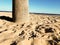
(21, 11)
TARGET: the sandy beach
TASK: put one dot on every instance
(40, 30)
(9, 14)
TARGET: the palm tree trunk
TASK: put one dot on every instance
(21, 11)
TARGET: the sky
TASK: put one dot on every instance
(5, 5)
(44, 6)
(38, 6)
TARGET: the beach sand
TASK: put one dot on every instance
(9, 14)
(41, 30)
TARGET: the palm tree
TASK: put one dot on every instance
(21, 11)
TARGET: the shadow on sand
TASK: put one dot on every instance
(7, 18)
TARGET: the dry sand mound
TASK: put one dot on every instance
(41, 30)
